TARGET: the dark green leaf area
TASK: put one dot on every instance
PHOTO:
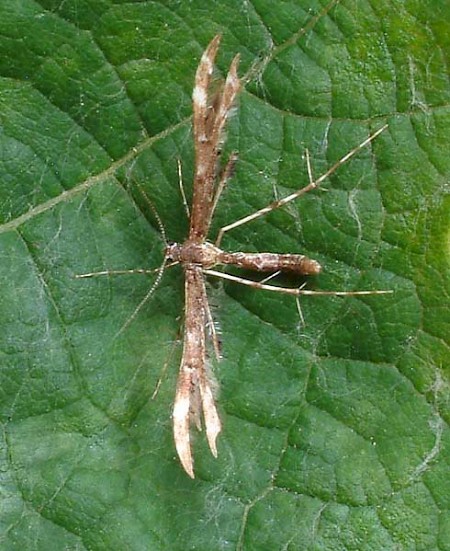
(335, 414)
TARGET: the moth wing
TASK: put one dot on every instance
(194, 394)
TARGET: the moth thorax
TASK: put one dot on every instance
(202, 254)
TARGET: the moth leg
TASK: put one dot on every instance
(183, 194)
(295, 291)
(312, 185)
(117, 272)
(227, 173)
(167, 362)
(212, 330)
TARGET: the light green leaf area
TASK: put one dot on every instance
(335, 427)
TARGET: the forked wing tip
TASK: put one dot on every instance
(181, 430)
(183, 447)
(213, 425)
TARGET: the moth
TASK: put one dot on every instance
(194, 397)
(197, 256)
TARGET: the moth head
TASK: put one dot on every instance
(173, 252)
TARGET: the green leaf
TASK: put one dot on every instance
(335, 431)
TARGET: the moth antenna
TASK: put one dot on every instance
(146, 297)
(158, 219)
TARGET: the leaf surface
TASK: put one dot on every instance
(335, 431)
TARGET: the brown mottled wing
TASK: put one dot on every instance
(194, 394)
(209, 122)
